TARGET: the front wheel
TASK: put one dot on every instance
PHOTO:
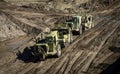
(42, 57)
(58, 53)
(70, 39)
(39, 54)
(65, 44)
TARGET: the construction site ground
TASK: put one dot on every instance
(96, 51)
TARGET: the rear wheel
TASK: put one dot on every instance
(41, 57)
(39, 54)
(67, 44)
(63, 44)
(71, 37)
(58, 54)
(80, 30)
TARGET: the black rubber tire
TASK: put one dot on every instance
(38, 58)
(58, 53)
(41, 54)
(80, 30)
(62, 45)
(66, 44)
(71, 38)
(42, 57)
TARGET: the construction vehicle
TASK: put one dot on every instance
(78, 24)
(74, 23)
(65, 34)
(60, 36)
(87, 22)
(47, 47)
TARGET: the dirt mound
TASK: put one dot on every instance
(12, 27)
(9, 29)
(104, 4)
(66, 6)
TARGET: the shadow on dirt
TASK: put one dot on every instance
(27, 56)
(115, 49)
(115, 67)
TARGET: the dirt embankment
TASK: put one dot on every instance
(63, 6)
(100, 5)
(15, 24)
(66, 6)
(9, 29)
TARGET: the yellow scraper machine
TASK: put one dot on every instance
(61, 36)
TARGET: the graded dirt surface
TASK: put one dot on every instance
(95, 51)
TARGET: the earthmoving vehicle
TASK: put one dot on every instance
(60, 36)
(74, 23)
(78, 24)
(65, 34)
(87, 22)
(47, 47)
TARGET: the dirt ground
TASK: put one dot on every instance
(96, 51)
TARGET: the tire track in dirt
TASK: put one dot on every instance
(67, 50)
(103, 55)
(102, 43)
(57, 65)
(41, 68)
(101, 37)
(15, 63)
(75, 62)
(78, 40)
(28, 68)
(70, 63)
(79, 68)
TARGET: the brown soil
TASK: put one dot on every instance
(93, 52)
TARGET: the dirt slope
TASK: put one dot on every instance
(9, 29)
(66, 6)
